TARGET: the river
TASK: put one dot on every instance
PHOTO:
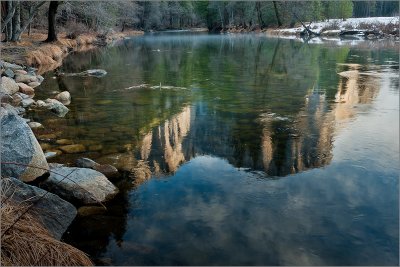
(263, 151)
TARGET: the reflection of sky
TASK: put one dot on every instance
(220, 215)
(210, 212)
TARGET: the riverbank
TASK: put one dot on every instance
(368, 28)
(36, 196)
(33, 52)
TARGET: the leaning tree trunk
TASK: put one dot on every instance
(52, 35)
(277, 14)
(16, 22)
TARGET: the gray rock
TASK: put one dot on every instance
(23, 96)
(108, 170)
(55, 165)
(53, 212)
(50, 154)
(26, 89)
(82, 185)
(8, 86)
(19, 145)
(40, 78)
(40, 103)
(20, 72)
(11, 66)
(6, 98)
(31, 70)
(64, 97)
(85, 163)
(25, 78)
(9, 73)
(34, 84)
(20, 110)
(57, 107)
(27, 102)
(35, 125)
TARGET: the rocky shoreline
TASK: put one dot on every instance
(55, 193)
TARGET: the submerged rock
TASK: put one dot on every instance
(82, 185)
(122, 161)
(90, 210)
(85, 163)
(64, 142)
(53, 212)
(108, 170)
(19, 145)
(72, 149)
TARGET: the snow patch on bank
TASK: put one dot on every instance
(351, 23)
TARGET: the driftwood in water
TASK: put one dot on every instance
(95, 73)
(306, 28)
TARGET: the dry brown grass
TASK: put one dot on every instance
(28, 243)
(33, 52)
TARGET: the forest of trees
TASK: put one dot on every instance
(77, 17)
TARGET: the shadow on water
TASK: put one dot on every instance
(236, 112)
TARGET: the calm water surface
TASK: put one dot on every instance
(260, 152)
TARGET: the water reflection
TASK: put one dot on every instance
(255, 108)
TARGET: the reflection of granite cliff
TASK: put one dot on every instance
(276, 145)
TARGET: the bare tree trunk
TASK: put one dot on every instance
(277, 14)
(30, 23)
(10, 14)
(123, 26)
(10, 9)
(16, 22)
(51, 33)
(17, 34)
(259, 14)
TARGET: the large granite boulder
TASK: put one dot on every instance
(53, 212)
(85, 186)
(19, 145)
(8, 86)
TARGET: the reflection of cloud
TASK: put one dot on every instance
(224, 216)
